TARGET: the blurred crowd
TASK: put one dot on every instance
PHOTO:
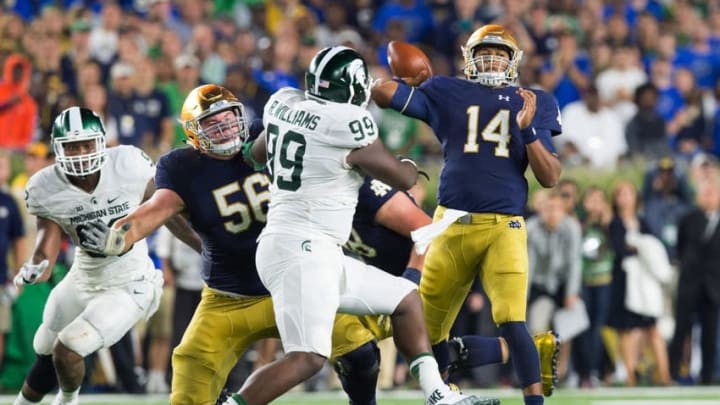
(636, 81)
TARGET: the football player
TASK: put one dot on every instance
(313, 143)
(226, 202)
(490, 129)
(101, 297)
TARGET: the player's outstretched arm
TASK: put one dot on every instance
(378, 162)
(47, 246)
(161, 205)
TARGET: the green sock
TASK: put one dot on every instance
(239, 399)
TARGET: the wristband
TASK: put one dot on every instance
(528, 135)
(246, 151)
(412, 162)
(412, 274)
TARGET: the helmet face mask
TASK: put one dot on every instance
(484, 63)
(214, 121)
(78, 140)
(339, 74)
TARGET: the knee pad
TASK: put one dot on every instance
(44, 340)
(81, 337)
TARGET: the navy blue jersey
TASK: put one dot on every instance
(372, 242)
(11, 228)
(227, 203)
(484, 153)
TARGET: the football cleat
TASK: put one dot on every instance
(548, 347)
(455, 398)
(58, 400)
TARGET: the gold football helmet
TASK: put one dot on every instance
(223, 136)
(491, 70)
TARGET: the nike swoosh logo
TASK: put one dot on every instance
(112, 200)
(137, 292)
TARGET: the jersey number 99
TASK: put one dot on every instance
(290, 141)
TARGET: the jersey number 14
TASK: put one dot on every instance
(497, 130)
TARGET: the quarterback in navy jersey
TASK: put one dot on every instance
(490, 131)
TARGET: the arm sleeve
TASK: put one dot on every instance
(414, 102)
(373, 194)
(163, 174)
(547, 116)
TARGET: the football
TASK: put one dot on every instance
(408, 61)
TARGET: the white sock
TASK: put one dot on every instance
(70, 396)
(425, 370)
(21, 400)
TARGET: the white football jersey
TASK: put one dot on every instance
(314, 191)
(123, 180)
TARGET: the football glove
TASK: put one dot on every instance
(30, 273)
(102, 238)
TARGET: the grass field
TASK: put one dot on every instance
(603, 396)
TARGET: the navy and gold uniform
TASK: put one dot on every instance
(226, 202)
(485, 160)
(373, 243)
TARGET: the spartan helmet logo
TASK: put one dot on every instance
(360, 85)
(357, 71)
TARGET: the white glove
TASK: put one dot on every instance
(29, 273)
(101, 238)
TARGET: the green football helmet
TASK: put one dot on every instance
(338, 74)
(78, 139)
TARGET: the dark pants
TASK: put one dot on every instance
(588, 351)
(687, 307)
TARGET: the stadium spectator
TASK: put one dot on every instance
(666, 197)
(597, 259)
(631, 326)
(103, 41)
(12, 249)
(592, 132)
(18, 110)
(555, 259)
(646, 133)
(618, 82)
(567, 72)
(699, 283)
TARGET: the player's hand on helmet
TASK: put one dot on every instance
(527, 113)
(102, 238)
(30, 273)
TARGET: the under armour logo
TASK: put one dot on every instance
(514, 224)
(501, 97)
